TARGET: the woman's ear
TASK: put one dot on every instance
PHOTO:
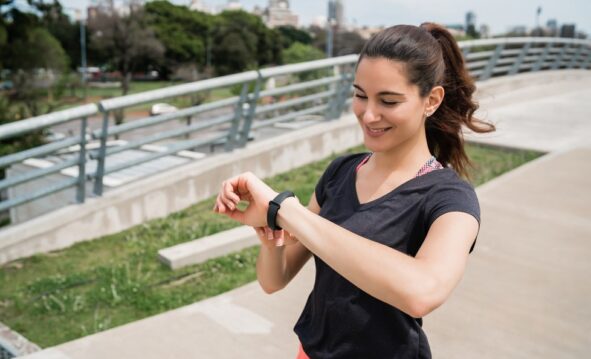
(434, 100)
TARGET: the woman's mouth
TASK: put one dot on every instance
(376, 132)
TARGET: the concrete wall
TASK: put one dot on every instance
(176, 189)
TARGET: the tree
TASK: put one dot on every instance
(299, 52)
(291, 35)
(242, 41)
(184, 34)
(126, 38)
(344, 42)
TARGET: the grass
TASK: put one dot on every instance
(92, 286)
(95, 94)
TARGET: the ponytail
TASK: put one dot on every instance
(433, 58)
(444, 135)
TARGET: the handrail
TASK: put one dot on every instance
(326, 93)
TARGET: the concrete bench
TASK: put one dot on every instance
(203, 249)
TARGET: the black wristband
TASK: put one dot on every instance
(274, 206)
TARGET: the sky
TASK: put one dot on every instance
(499, 15)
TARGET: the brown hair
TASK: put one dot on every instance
(432, 57)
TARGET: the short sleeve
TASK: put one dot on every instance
(453, 197)
(329, 173)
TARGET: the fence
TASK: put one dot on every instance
(320, 88)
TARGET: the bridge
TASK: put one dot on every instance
(521, 295)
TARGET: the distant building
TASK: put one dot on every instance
(456, 29)
(278, 13)
(367, 32)
(336, 13)
(518, 31)
(233, 5)
(198, 5)
(470, 19)
(470, 24)
(567, 30)
(552, 27)
(484, 31)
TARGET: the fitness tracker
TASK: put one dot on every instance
(274, 206)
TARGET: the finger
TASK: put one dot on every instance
(269, 233)
(278, 234)
(280, 241)
(224, 193)
(230, 193)
(220, 204)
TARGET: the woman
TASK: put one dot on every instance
(390, 230)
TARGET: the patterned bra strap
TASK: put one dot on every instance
(431, 165)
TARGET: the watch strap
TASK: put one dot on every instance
(274, 206)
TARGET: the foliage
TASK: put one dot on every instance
(242, 42)
(344, 42)
(127, 40)
(184, 34)
(291, 35)
(299, 52)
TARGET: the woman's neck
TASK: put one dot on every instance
(404, 160)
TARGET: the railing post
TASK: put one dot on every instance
(558, 61)
(342, 90)
(250, 115)
(538, 65)
(515, 68)
(573, 61)
(81, 189)
(465, 52)
(100, 165)
(588, 61)
(332, 103)
(488, 71)
(239, 111)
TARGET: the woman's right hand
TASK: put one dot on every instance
(270, 238)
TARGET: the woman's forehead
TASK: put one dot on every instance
(382, 75)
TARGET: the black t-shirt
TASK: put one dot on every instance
(339, 320)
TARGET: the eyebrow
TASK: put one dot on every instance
(381, 92)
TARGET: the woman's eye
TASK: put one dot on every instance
(388, 103)
(359, 96)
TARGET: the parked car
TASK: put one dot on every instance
(162, 108)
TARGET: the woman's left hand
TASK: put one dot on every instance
(250, 188)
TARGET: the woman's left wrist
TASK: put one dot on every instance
(286, 206)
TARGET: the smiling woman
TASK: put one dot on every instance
(390, 230)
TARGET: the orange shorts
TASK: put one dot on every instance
(301, 353)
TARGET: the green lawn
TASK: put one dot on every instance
(95, 94)
(92, 286)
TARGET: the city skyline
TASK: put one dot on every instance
(500, 15)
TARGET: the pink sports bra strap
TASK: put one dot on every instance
(432, 164)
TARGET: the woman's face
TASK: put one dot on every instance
(384, 99)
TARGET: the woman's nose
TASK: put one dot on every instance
(370, 114)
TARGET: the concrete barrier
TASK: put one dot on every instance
(160, 195)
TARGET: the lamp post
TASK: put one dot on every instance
(83, 53)
(82, 47)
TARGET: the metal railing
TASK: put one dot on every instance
(323, 88)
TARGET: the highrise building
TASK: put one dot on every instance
(336, 13)
(567, 30)
(552, 27)
(470, 26)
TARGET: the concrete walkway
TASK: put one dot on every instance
(525, 290)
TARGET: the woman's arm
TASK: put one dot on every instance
(277, 266)
(414, 285)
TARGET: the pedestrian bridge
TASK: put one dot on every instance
(520, 287)
(106, 177)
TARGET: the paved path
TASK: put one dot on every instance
(525, 290)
